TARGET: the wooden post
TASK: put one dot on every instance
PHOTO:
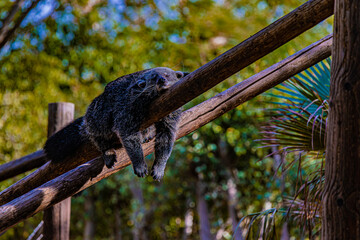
(341, 199)
(57, 217)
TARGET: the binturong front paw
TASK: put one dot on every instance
(109, 158)
(141, 170)
(157, 173)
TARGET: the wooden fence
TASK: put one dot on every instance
(52, 183)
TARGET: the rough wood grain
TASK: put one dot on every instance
(341, 202)
(22, 165)
(93, 171)
(47, 172)
(262, 43)
(57, 217)
(265, 41)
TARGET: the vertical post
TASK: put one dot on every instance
(341, 199)
(57, 217)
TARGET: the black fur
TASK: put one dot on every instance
(116, 115)
(65, 142)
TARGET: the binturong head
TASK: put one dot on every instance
(157, 80)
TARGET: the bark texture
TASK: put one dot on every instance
(21, 165)
(341, 209)
(57, 217)
(242, 55)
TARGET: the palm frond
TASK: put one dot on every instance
(298, 126)
(260, 225)
(300, 122)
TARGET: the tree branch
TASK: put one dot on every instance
(8, 19)
(6, 35)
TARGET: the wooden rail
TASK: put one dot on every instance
(242, 55)
(262, 43)
(93, 171)
(21, 165)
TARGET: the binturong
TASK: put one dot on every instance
(113, 119)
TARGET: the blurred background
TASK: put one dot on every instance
(68, 50)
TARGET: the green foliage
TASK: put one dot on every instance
(298, 130)
(70, 53)
(301, 121)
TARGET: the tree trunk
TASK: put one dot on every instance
(232, 200)
(89, 229)
(203, 212)
(341, 199)
(231, 190)
(285, 235)
(139, 229)
(117, 230)
(189, 221)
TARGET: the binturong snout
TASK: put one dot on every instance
(162, 83)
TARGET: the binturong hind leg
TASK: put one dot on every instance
(164, 142)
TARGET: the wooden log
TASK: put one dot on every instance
(341, 199)
(93, 171)
(47, 172)
(262, 43)
(57, 217)
(21, 165)
(265, 41)
(218, 105)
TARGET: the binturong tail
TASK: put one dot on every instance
(65, 142)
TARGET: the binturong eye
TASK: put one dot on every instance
(141, 83)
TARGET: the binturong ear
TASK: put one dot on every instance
(181, 74)
(141, 83)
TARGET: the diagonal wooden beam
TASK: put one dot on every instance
(242, 55)
(93, 171)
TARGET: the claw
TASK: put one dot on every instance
(141, 171)
(157, 174)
